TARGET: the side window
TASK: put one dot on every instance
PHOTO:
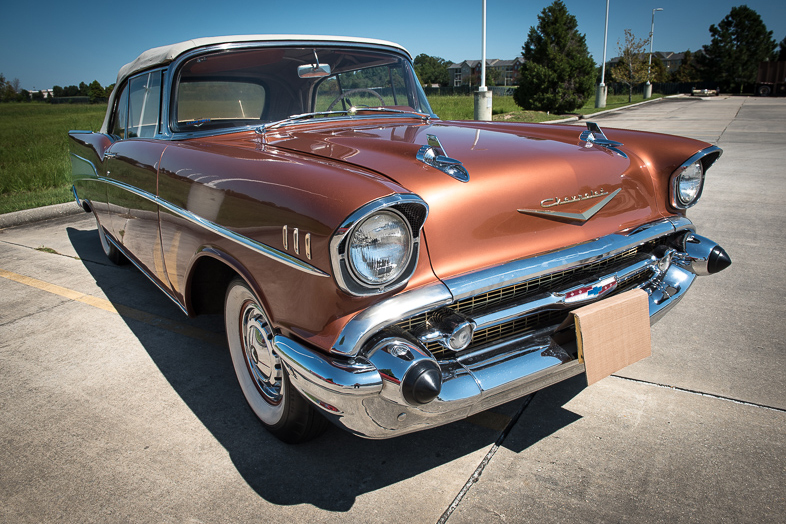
(144, 102)
(120, 116)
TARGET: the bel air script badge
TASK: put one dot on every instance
(584, 216)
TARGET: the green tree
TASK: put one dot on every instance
(631, 69)
(558, 74)
(432, 70)
(686, 71)
(96, 92)
(782, 51)
(739, 42)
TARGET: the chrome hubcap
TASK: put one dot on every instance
(263, 364)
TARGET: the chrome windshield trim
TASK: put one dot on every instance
(221, 231)
(489, 279)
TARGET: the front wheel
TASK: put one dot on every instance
(260, 372)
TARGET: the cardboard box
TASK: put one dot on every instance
(613, 333)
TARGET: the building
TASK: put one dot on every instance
(468, 72)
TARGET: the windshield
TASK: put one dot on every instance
(250, 87)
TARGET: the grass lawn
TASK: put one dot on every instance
(35, 168)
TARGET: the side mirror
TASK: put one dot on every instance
(313, 70)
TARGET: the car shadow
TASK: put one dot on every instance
(330, 472)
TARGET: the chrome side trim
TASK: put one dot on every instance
(485, 280)
(221, 231)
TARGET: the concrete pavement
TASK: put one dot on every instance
(115, 407)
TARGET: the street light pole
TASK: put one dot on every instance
(648, 87)
(600, 93)
(483, 95)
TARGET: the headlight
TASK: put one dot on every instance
(376, 249)
(379, 248)
(689, 184)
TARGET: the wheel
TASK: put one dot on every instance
(260, 372)
(764, 90)
(345, 94)
(112, 253)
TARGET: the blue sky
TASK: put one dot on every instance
(50, 43)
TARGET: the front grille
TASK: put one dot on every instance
(520, 292)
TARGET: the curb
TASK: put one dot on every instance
(29, 216)
(599, 113)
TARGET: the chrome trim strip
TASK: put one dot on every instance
(314, 372)
(363, 325)
(149, 276)
(221, 231)
(86, 161)
(712, 150)
(556, 300)
(496, 277)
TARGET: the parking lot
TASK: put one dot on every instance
(115, 407)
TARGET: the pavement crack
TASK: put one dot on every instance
(483, 463)
(702, 394)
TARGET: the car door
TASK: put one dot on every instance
(131, 165)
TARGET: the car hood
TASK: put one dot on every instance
(517, 174)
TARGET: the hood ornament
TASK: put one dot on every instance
(581, 217)
(434, 155)
(595, 136)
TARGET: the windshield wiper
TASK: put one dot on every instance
(352, 111)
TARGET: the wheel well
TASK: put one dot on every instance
(209, 281)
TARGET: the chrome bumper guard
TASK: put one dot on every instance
(370, 394)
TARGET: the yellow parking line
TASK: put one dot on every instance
(124, 311)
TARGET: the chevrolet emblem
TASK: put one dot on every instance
(581, 217)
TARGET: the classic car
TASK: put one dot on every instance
(377, 267)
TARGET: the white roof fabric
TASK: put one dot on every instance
(166, 54)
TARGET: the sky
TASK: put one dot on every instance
(47, 43)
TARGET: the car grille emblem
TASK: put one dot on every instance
(581, 217)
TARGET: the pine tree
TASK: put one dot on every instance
(558, 74)
(739, 42)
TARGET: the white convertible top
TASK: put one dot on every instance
(166, 54)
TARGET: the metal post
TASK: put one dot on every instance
(483, 95)
(600, 94)
(648, 86)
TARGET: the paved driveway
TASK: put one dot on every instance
(114, 407)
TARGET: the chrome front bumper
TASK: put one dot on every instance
(361, 390)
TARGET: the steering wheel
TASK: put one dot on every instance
(345, 94)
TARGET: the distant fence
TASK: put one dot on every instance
(665, 88)
(76, 100)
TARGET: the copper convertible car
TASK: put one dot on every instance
(376, 266)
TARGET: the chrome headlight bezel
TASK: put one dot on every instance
(411, 211)
(691, 172)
